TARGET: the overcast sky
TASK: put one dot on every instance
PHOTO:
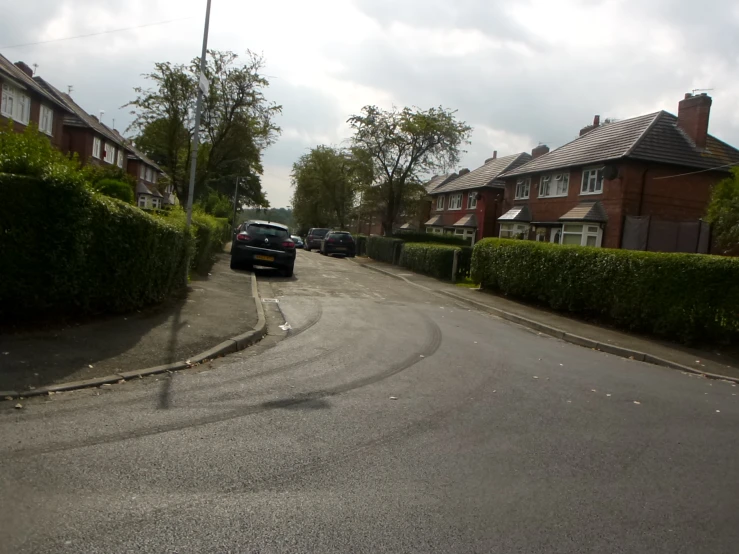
(520, 72)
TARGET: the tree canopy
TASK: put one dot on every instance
(237, 124)
(723, 214)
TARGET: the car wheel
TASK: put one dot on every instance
(235, 263)
(306, 248)
(288, 272)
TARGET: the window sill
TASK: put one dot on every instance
(555, 196)
(590, 193)
(455, 209)
(521, 198)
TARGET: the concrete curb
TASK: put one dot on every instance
(563, 335)
(229, 346)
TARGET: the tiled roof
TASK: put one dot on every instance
(484, 175)
(141, 188)
(81, 116)
(19, 76)
(586, 211)
(438, 180)
(469, 220)
(517, 213)
(136, 153)
(653, 137)
(435, 220)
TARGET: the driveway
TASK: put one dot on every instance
(384, 420)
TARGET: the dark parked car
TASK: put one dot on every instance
(314, 238)
(338, 242)
(297, 240)
(263, 243)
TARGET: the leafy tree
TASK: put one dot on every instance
(237, 124)
(723, 214)
(404, 145)
(277, 215)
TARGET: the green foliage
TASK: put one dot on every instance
(93, 174)
(276, 215)
(687, 297)
(115, 189)
(723, 214)
(65, 249)
(216, 204)
(402, 146)
(383, 248)
(209, 234)
(30, 153)
(435, 260)
(431, 237)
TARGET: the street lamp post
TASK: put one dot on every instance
(202, 83)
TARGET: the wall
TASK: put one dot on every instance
(57, 137)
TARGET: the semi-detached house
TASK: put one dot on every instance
(640, 183)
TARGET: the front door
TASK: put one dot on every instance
(556, 235)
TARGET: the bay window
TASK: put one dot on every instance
(514, 230)
(581, 234)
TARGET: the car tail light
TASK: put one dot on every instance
(242, 236)
(330, 240)
(288, 244)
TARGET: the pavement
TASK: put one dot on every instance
(216, 307)
(717, 360)
(386, 418)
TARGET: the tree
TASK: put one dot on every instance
(326, 182)
(723, 214)
(404, 146)
(237, 124)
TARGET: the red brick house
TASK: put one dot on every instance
(25, 101)
(640, 183)
(467, 205)
(84, 135)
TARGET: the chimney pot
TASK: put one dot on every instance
(24, 68)
(464, 171)
(596, 120)
(539, 151)
(693, 113)
(688, 95)
(495, 154)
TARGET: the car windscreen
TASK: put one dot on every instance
(261, 230)
(319, 232)
(341, 235)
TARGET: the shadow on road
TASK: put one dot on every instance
(300, 402)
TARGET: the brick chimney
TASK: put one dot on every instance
(464, 171)
(692, 117)
(495, 156)
(588, 128)
(539, 151)
(24, 68)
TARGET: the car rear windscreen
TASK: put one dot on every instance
(260, 230)
(319, 232)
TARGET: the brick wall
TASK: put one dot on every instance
(487, 210)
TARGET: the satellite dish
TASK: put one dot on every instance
(610, 172)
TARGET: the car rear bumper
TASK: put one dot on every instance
(344, 250)
(262, 256)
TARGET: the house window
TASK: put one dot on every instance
(455, 201)
(523, 187)
(554, 185)
(46, 120)
(429, 229)
(592, 181)
(154, 177)
(514, 230)
(581, 234)
(142, 201)
(440, 202)
(109, 153)
(142, 171)
(119, 162)
(15, 105)
(471, 200)
(149, 174)
(96, 148)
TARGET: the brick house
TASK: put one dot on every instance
(639, 183)
(84, 135)
(467, 205)
(25, 101)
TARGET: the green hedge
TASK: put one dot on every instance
(360, 241)
(431, 237)
(436, 260)
(382, 248)
(65, 249)
(686, 297)
(210, 234)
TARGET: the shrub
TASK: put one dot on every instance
(382, 248)
(65, 249)
(360, 241)
(431, 237)
(114, 189)
(209, 235)
(723, 214)
(687, 297)
(93, 174)
(436, 260)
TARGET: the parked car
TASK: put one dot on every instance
(338, 242)
(314, 238)
(265, 244)
(298, 241)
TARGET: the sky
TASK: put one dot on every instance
(520, 72)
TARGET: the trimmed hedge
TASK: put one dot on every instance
(382, 248)
(687, 297)
(431, 237)
(65, 249)
(210, 234)
(360, 241)
(435, 260)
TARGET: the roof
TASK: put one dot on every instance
(586, 211)
(485, 175)
(407, 226)
(469, 220)
(436, 220)
(653, 137)
(81, 117)
(20, 77)
(141, 188)
(438, 180)
(136, 153)
(517, 213)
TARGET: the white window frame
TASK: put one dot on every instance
(142, 201)
(96, 146)
(523, 189)
(554, 185)
(15, 105)
(109, 153)
(592, 178)
(142, 171)
(587, 230)
(154, 176)
(510, 230)
(471, 200)
(440, 202)
(46, 120)
(429, 229)
(119, 159)
(455, 201)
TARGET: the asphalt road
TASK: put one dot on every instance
(385, 420)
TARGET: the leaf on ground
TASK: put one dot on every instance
(393, 398)
(90, 366)
(18, 406)
(637, 402)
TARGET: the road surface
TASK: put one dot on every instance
(385, 420)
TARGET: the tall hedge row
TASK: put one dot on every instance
(435, 260)
(66, 249)
(382, 248)
(431, 237)
(686, 297)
